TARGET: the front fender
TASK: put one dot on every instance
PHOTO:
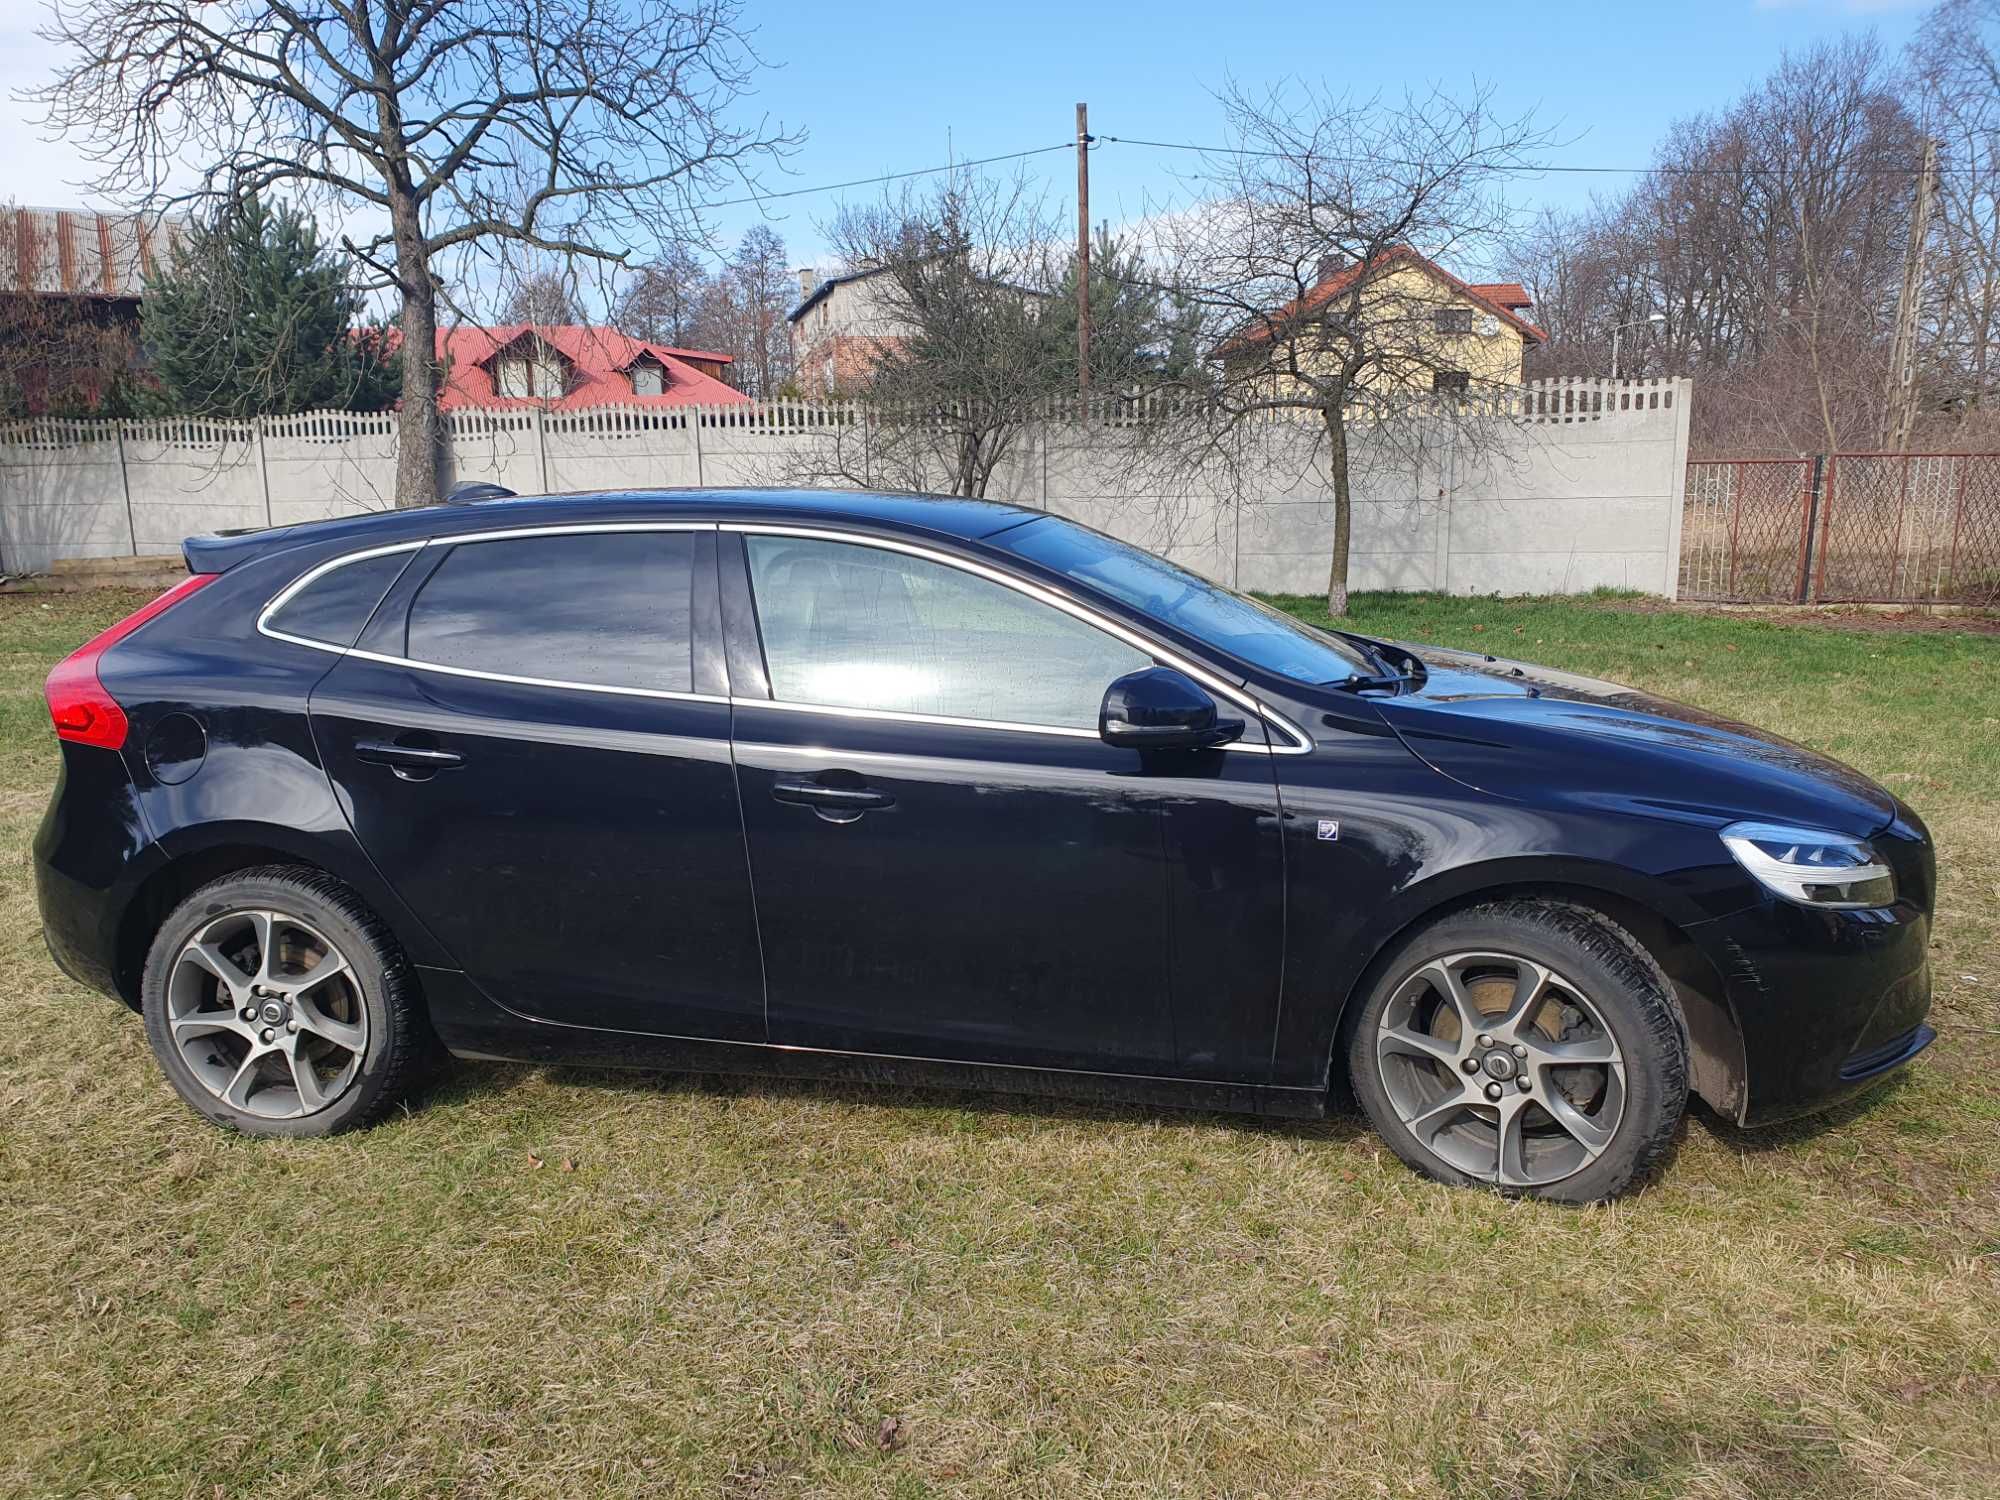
(1406, 854)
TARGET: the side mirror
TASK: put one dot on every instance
(1161, 709)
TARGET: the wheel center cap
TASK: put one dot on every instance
(273, 1011)
(1498, 1064)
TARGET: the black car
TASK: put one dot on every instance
(943, 791)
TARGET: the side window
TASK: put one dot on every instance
(852, 626)
(601, 609)
(334, 606)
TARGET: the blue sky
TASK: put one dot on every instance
(887, 86)
(883, 87)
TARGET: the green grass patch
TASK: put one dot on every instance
(740, 1281)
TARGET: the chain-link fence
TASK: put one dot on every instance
(1888, 528)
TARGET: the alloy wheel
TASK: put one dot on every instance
(1501, 1067)
(267, 1014)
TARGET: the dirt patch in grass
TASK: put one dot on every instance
(1826, 617)
(742, 1286)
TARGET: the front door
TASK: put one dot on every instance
(948, 860)
(529, 749)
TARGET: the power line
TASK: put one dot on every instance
(1523, 170)
(835, 187)
(1526, 169)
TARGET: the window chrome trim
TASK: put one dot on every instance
(897, 716)
(1302, 745)
(1302, 742)
(312, 575)
(285, 595)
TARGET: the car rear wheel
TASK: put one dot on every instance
(278, 1004)
(1530, 1046)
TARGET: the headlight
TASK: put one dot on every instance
(1811, 866)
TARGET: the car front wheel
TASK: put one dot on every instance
(278, 1004)
(1531, 1046)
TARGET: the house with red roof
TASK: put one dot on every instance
(569, 367)
(1430, 329)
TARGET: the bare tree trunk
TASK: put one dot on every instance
(966, 481)
(1343, 512)
(419, 432)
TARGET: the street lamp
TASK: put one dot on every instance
(1652, 319)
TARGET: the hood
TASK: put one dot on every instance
(1524, 732)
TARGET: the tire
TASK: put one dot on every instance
(1532, 1028)
(255, 1025)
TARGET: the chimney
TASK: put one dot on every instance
(808, 282)
(1331, 266)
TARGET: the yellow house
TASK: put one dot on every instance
(1425, 329)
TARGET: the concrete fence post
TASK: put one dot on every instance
(694, 430)
(125, 485)
(263, 468)
(1683, 390)
(542, 447)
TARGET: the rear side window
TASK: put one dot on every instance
(597, 609)
(334, 606)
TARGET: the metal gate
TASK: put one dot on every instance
(1877, 528)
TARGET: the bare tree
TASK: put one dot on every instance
(542, 298)
(433, 127)
(763, 288)
(962, 357)
(659, 301)
(1769, 238)
(1955, 68)
(1312, 265)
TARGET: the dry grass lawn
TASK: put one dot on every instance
(554, 1283)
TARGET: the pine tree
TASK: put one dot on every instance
(1129, 336)
(252, 316)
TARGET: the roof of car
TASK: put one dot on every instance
(946, 515)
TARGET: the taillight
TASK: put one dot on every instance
(78, 703)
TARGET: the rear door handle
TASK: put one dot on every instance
(406, 758)
(835, 799)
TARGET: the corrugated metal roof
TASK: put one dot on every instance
(599, 358)
(75, 253)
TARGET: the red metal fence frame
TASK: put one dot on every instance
(1854, 543)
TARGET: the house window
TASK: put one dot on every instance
(1454, 320)
(648, 379)
(537, 371)
(1449, 380)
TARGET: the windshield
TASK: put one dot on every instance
(1229, 621)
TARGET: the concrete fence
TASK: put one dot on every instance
(1564, 486)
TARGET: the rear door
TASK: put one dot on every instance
(531, 740)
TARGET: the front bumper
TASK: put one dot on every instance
(1828, 1003)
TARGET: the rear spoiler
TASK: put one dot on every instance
(219, 551)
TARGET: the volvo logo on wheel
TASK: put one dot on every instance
(1499, 1064)
(273, 1012)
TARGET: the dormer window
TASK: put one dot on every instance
(649, 378)
(531, 369)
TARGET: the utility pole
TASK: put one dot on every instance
(1899, 406)
(1083, 249)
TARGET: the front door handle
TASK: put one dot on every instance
(843, 803)
(411, 762)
